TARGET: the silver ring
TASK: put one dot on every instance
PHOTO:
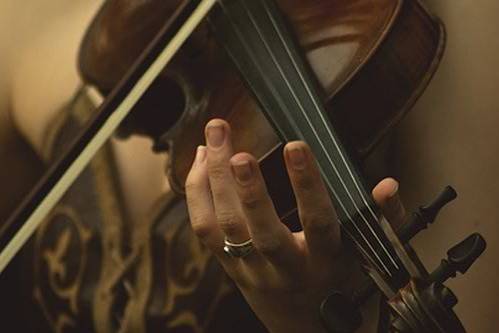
(238, 250)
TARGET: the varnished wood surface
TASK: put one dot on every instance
(461, 99)
(351, 46)
(366, 95)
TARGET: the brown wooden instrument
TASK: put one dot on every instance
(373, 60)
(368, 62)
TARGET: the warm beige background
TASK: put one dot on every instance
(450, 138)
(41, 42)
(36, 37)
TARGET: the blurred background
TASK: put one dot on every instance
(451, 136)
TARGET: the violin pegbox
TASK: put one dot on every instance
(423, 305)
(426, 305)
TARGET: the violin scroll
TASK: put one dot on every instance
(426, 306)
(422, 305)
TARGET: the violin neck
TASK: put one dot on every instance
(257, 39)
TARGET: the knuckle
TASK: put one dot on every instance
(306, 182)
(251, 203)
(192, 181)
(268, 246)
(251, 197)
(229, 222)
(321, 221)
(191, 185)
(217, 171)
(201, 227)
(222, 192)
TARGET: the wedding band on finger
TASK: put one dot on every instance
(238, 250)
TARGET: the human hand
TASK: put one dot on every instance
(288, 274)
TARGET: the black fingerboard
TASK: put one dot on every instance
(258, 40)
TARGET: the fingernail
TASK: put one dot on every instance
(297, 158)
(243, 171)
(394, 189)
(216, 135)
(200, 154)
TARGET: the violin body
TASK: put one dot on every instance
(336, 74)
(372, 59)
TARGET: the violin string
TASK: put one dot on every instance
(307, 87)
(340, 202)
(248, 49)
(302, 109)
(324, 121)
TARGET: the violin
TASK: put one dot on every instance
(336, 74)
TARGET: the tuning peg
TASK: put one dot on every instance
(426, 215)
(341, 314)
(459, 258)
(432, 296)
(430, 212)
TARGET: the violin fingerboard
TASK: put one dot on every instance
(260, 44)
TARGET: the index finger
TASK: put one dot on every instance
(223, 188)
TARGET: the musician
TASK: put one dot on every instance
(44, 132)
(240, 278)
